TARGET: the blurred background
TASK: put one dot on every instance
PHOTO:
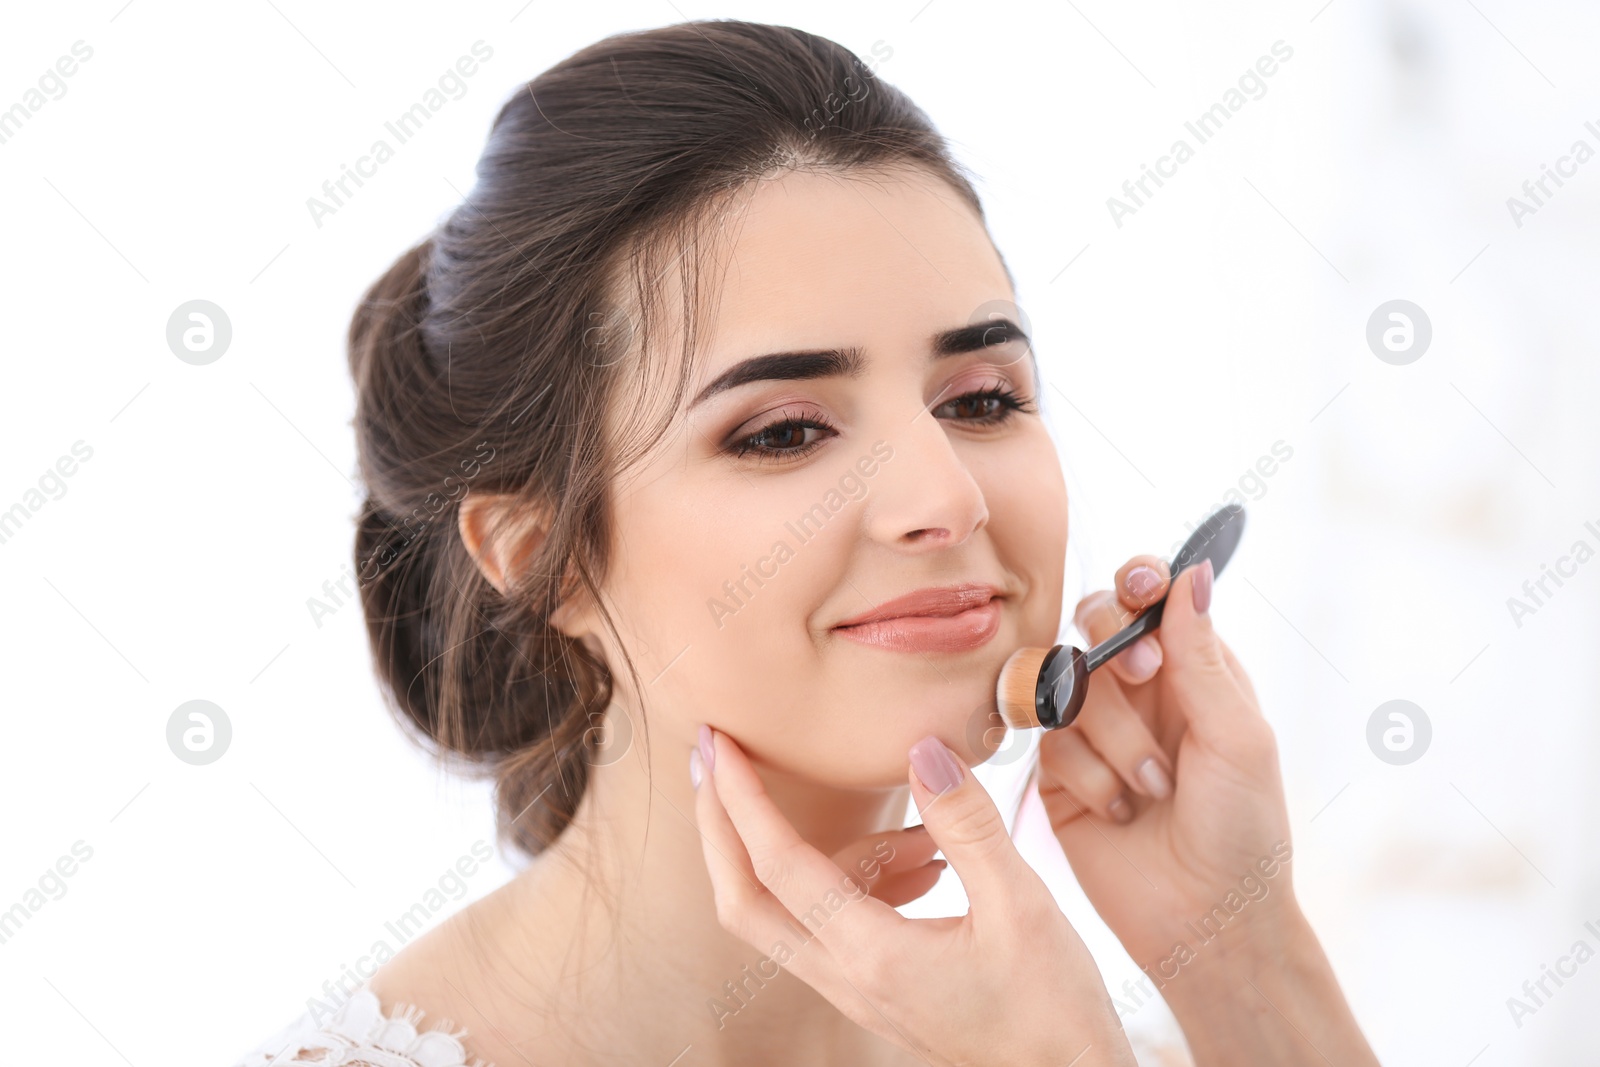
(1225, 334)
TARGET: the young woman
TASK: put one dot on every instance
(708, 492)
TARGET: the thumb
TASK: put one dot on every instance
(1193, 661)
(963, 821)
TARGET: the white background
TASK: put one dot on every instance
(1227, 314)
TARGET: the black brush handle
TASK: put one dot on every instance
(1215, 540)
(1127, 635)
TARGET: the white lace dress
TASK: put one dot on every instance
(359, 1034)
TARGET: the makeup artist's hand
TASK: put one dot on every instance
(1190, 869)
(1009, 982)
(1165, 792)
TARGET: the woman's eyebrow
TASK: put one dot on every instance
(977, 335)
(851, 362)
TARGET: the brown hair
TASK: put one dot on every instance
(488, 356)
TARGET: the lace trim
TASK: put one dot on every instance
(358, 1034)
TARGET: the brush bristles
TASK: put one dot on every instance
(1014, 692)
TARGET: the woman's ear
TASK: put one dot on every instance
(500, 533)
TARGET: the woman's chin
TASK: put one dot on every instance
(889, 765)
(868, 748)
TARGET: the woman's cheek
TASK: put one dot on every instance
(1027, 500)
(761, 672)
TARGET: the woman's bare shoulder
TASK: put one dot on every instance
(437, 977)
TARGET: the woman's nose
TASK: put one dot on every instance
(925, 497)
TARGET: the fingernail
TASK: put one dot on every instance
(1153, 778)
(1202, 587)
(696, 765)
(936, 766)
(1120, 810)
(1142, 581)
(708, 751)
(1143, 659)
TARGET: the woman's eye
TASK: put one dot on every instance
(784, 439)
(991, 405)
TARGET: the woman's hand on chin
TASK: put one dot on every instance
(1009, 982)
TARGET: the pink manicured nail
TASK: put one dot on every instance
(1154, 778)
(1202, 587)
(695, 765)
(708, 751)
(1142, 581)
(936, 766)
(1143, 659)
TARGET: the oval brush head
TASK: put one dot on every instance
(1014, 692)
(1042, 687)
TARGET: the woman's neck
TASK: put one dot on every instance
(608, 946)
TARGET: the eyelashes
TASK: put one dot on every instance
(761, 444)
(792, 435)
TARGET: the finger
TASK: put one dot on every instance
(807, 883)
(1067, 760)
(884, 855)
(1240, 675)
(1118, 734)
(749, 911)
(1196, 667)
(745, 907)
(1142, 581)
(1102, 614)
(963, 820)
(1039, 783)
(1099, 615)
(906, 886)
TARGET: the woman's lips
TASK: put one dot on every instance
(961, 632)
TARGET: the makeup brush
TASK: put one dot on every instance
(1045, 687)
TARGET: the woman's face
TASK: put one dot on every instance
(881, 457)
